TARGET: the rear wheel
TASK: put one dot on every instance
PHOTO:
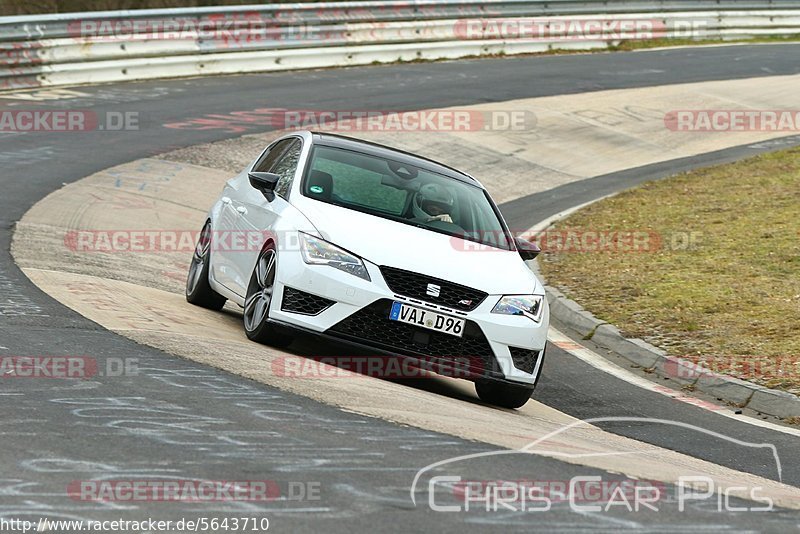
(502, 394)
(198, 290)
(256, 303)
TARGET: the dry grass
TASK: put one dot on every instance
(643, 44)
(732, 301)
(19, 7)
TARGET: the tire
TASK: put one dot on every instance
(502, 394)
(256, 303)
(198, 291)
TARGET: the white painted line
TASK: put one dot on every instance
(598, 362)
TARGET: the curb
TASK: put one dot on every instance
(688, 374)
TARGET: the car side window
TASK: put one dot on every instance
(268, 159)
(286, 166)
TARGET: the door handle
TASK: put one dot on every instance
(225, 200)
(242, 210)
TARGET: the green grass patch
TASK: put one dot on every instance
(644, 44)
(730, 299)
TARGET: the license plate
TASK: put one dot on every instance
(427, 319)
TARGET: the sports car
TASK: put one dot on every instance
(387, 251)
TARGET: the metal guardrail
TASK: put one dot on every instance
(126, 45)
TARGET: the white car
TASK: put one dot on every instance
(377, 248)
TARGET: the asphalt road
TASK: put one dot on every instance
(183, 420)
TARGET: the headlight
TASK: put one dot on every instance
(319, 252)
(531, 306)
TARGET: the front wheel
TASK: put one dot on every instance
(257, 301)
(502, 394)
(198, 290)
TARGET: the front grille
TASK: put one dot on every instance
(372, 326)
(415, 286)
(524, 359)
(296, 301)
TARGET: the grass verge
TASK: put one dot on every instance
(716, 278)
(644, 44)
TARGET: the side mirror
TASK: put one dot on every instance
(264, 182)
(526, 249)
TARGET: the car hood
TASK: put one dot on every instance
(385, 242)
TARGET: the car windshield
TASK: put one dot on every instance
(403, 193)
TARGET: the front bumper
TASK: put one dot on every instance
(498, 347)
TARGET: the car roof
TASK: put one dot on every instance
(400, 156)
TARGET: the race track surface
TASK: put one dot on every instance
(181, 419)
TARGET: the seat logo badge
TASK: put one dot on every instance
(433, 290)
